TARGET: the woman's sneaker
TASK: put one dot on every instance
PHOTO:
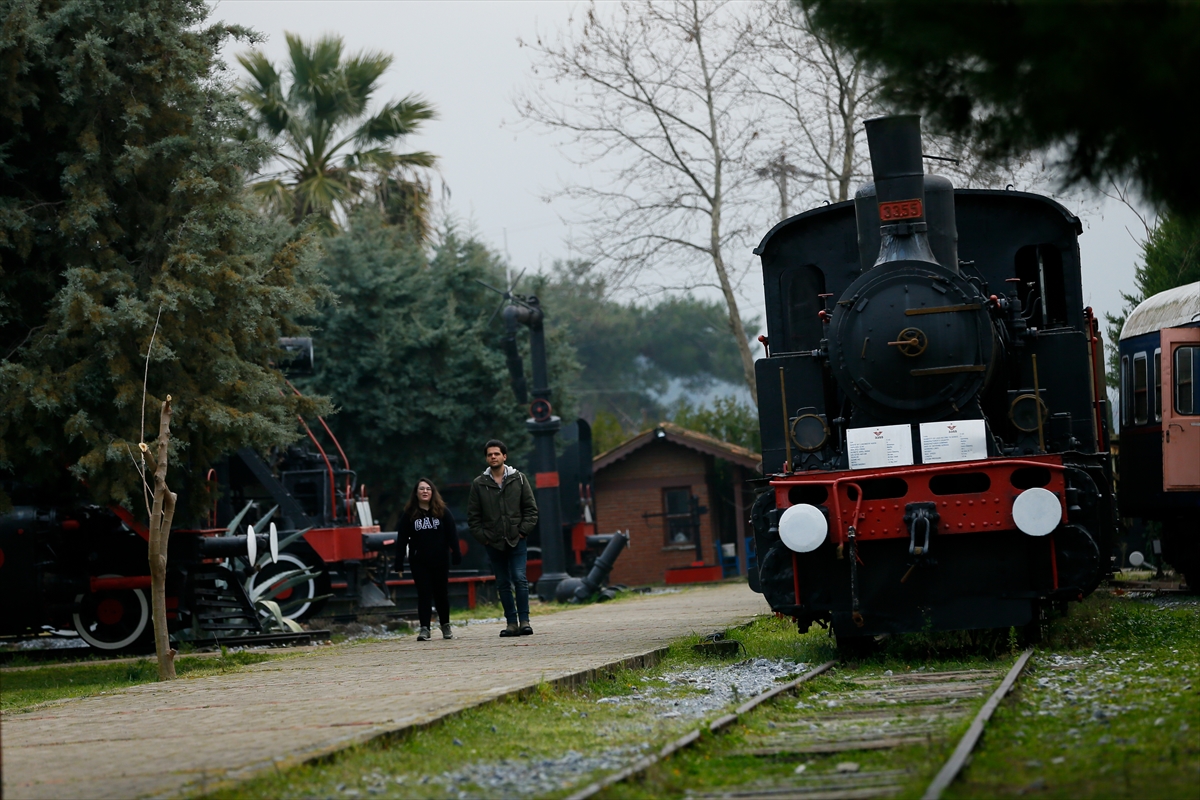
(423, 635)
(447, 632)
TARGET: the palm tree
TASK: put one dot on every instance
(332, 154)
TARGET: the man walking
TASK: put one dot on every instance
(501, 512)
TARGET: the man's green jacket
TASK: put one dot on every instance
(500, 515)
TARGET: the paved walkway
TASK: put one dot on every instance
(192, 734)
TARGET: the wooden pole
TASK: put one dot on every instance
(161, 515)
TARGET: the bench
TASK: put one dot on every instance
(472, 582)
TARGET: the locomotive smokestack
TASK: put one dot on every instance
(896, 164)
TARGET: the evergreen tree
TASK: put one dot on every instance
(1104, 84)
(1170, 258)
(630, 353)
(412, 358)
(122, 220)
(726, 419)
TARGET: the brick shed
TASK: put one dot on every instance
(662, 487)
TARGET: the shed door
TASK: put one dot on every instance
(1181, 409)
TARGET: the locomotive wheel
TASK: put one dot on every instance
(1078, 559)
(112, 620)
(302, 600)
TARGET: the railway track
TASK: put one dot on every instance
(875, 714)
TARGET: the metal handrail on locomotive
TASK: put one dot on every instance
(933, 425)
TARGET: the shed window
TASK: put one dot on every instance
(681, 523)
(1140, 400)
(1185, 386)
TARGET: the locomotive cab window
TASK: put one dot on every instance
(1042, 288)
(1141, 403)
(801, 289)
(1185, 378)
(680, 523)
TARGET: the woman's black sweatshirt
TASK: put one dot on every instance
(427, 539)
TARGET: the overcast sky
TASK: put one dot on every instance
(464, 58)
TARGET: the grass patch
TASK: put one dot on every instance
(1115, 714)
(24, 688)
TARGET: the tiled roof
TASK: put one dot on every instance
(694, 440)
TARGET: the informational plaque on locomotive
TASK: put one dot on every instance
(882, 446)
(953, 440)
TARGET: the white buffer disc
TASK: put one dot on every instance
(274, 540)
(251, 545)
(802, 528)
(1037, 511)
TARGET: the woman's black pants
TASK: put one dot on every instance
(433, 589)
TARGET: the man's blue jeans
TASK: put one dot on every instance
(509, 567)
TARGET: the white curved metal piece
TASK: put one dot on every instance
(274, 540)
(803, 528)
(1037, 511)
(251, 545)
(306, 589)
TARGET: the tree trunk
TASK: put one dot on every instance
(161, 516)
(735, 325)
(716, 203)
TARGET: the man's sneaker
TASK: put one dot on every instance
(511, 630)
(526, 629)
(423, 635)
(447, 632)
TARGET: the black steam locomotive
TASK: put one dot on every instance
(933, 427)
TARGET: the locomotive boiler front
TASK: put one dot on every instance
(911, 338)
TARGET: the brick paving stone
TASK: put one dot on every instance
(189, 735)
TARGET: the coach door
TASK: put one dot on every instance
(1181, 409)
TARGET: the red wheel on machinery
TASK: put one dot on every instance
(112, 619)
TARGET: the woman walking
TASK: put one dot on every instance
(428, 533)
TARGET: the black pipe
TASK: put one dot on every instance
(229, 546)
(583, 588)
(603, 565)
(516, 369)
(899, 173)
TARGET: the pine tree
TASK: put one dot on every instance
(411, 355)
(123, 218)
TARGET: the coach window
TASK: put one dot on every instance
(1185, 376)
(1126, 394)
(1140, 404)
(677, 513)
(1158, 385)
